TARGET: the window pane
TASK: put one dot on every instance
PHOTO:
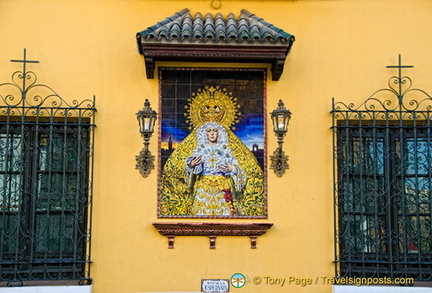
(9, 229)
(365, 234)
(58, 174)
(11, 162)
(57, 191)
(415, 234)
(364, 155)
(414, 206)
(365, 195)
(417, 195)
(417, 154)
(54, 232)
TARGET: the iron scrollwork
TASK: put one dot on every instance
(46, 142)
(382, 183)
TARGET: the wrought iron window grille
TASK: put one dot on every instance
(382, 183)
(46, 175)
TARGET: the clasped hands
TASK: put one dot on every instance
(224, 168)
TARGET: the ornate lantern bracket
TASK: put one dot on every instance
(280, 118)
(146, 120)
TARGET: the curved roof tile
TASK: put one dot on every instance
(188, 38)
(183, 27)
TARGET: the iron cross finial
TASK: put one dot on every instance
(400, 66)
(399, 78)
(25, 61)
(24, 77)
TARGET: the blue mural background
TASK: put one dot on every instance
(177, 86)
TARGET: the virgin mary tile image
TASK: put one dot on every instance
(211, 172)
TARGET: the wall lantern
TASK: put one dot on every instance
(146, 120)
(280, 118)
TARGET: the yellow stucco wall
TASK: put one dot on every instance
(88, 48)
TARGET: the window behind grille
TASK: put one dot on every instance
(44, 199)
(384, 200)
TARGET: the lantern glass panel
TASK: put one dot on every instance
(281, 122)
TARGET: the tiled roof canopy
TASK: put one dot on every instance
(183, 37)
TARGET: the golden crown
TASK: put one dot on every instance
(212, 104)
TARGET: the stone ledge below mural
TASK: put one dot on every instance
(212, 230)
